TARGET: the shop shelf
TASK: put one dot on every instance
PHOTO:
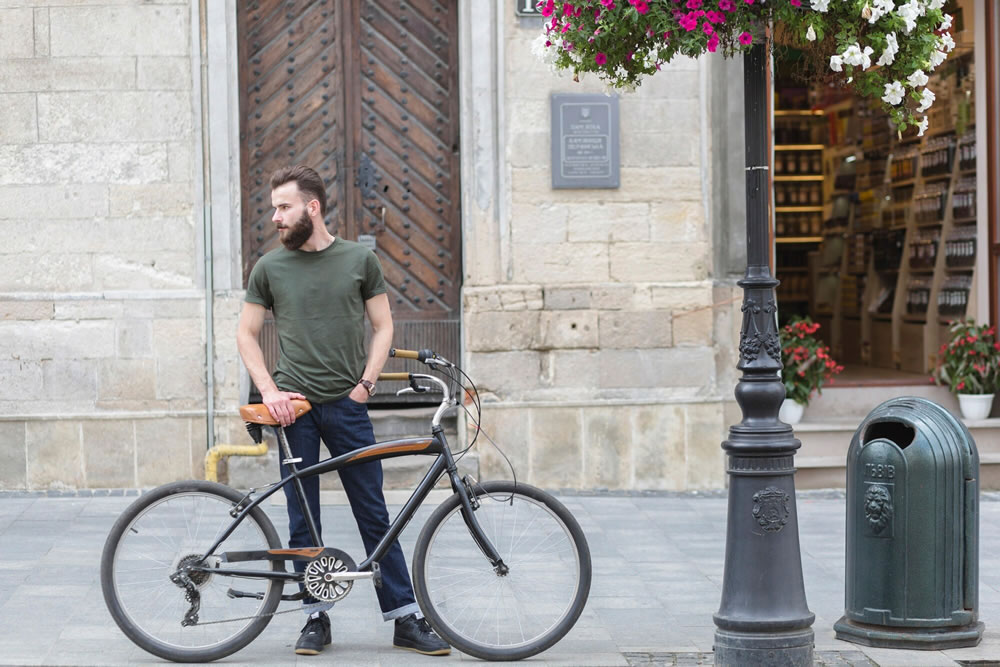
(799, 147)
(798, 239)
(798, 209)
(803, 177)
(799, 112)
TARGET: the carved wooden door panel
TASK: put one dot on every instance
(365, 92)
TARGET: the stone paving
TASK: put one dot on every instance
(658, 562)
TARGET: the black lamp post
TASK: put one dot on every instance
(763, 618)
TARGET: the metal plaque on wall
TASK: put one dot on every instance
(527, 8)
(585, 148)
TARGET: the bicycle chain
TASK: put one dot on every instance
(245, 618)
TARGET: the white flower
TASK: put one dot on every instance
(946, 23)
(923, 127)
(891, 49)
(917, 79)
(935, 4)
(926, 99)
(948, 42)
(811, 34)
(836, 63)
(855, 56)
(909, 13)
(893, 93)
(880, 8)
(820, 5)
(937, 57)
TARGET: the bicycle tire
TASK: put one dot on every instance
(145, 533)
(442, 536)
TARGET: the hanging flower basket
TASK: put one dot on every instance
(881, 49)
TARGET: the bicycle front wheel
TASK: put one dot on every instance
(507, 616)
(166, 529)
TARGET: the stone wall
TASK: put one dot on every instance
(101, 300)
(591, 317)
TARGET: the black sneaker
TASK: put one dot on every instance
(315, 635)
(415, 634)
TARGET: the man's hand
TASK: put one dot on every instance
(359, 394)
(279, 404)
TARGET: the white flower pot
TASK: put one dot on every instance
(791, 412)
(975, 406)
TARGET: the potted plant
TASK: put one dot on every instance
(969, 364)
(807, 365)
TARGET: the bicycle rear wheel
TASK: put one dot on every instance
(511, 616)
(169, 527)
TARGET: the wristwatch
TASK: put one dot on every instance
(369, 385)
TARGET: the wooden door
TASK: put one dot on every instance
(366, 92)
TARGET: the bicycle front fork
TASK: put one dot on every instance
(470, 503)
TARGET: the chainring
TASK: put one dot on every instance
(319, 578)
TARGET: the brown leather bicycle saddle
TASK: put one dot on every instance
(257, 413)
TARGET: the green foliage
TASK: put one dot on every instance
(969, 363)
(806, 361)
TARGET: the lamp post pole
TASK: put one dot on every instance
(763, 618)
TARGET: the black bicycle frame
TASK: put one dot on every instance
(436, 445)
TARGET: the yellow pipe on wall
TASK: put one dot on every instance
(219, 452)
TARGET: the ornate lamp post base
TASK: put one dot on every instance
(763, 618)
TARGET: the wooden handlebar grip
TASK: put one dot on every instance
(390, 377)
(405, 354)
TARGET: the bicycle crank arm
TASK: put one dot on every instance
(251, 574)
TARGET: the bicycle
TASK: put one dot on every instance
(501, 570)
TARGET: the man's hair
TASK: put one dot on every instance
(307, 180)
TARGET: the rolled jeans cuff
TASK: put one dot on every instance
(412, 608)
(313, 607)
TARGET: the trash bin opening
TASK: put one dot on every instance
(897, 432)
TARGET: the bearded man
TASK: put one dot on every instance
(319, 288)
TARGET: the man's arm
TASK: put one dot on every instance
(279, 403)
(380, 316)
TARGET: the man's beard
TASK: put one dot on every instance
(298, 233)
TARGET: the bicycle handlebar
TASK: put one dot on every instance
(391, 377)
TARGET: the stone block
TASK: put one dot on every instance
(556, 448)
(109, 453)
(180, 377)
(562, 329)
(538, 222)
(46, 74)
(57, 340)
(611, 296)
(200, 444)
(74, 201)
(572, 369)
(163, 450)
(561, 262)
(684, 114)
(617, 221)
(124, 30)
(508, 374)
(705, 431)
(566, 298)
(22, 379)
(480, 299)
(13, 456)
(20, 123)
(55, 455)
(69, 378)
(658, 450)
(178, 338)
(659, 262)
(678, 222)
(652, 184)
(181, 162)
(17, 33)
(154, 199)
(527, 148)
(528, 114)
(135, 339)
(509, 428)
(520, 297)
(681, 297)
(163, 73)
(42, 32)
(635, 329)
(693, 327)
(83, 163)
(607, 448)
(100, 117)
(127, 379)
(183, 307)
(498, 331)
(672, 367)
(146, 269)
(26, 310)
(88, 309)
(656, 149)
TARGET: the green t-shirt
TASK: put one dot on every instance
(318, 300)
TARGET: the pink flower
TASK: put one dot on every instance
(608, 3)
(746, 39)
(567, 9)
(548, 8)
(689, 22)
(600, 58)
(693, 4)
(713, 43)
(796, 3)
(749, 2)
(726, 5)
(708, 29)
(715, 17)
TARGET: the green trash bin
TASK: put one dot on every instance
(912, 530)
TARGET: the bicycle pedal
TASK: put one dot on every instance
(376, 575)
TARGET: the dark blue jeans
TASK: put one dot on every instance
(344, 426)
